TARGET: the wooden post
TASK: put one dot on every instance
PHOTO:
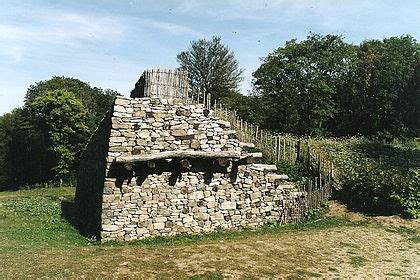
(151, 164)
(184, 164)
(284, 149)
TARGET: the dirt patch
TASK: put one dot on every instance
(363, 252)
(337, 209)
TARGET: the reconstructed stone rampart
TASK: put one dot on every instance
(172, 168)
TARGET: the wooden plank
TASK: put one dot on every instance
(250, 158)
(177, 154)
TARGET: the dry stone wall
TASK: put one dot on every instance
(163, 201)
(153, 207)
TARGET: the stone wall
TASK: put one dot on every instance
(154, 207)
(164, 201)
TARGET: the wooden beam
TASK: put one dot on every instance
(177, 154)
(223, 162)
(246, 146)
(264, 167)
(184, 164)
(128, 166)
(151, 164)
(250, 157)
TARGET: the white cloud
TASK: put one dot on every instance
(11, 52)
(77, 26)
(55, 27)
(169, 27)
(9, 32)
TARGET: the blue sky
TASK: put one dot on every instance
(110, 43)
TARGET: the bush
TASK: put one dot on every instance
(387, 191)
(376, 177)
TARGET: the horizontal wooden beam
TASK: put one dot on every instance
(246, 146)
(251, 157)
(178, 154)
(264, 167)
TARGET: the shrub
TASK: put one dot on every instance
(376, 177)
(387, 191)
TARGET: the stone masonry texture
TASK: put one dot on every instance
(159, 199)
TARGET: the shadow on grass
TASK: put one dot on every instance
(69, 211)
(344, 196)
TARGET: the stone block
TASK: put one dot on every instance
(109, 227)
(178, 132)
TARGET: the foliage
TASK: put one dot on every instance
(96, 100)
(376, 177)
(302, 82)
(383, 92)
(324, 86)
(61, 117)
(247, 107)
(22, 157)
(211, 67)
(40, 144)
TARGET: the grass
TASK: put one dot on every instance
(358, 261)
(37, 241)
(207, 276)
(33, 219)
(411, 234)
(303, 274)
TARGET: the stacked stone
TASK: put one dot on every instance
(192, 206)
(134, 210)
(150, 125)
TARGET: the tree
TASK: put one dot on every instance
(42, 141)
(384, 93)
(61, 118)
(23, 160)
(96, 100)
(301, 83)
(211, 67)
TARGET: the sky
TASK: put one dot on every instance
(110, 43)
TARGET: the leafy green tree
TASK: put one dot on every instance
(61, 117)
(383, 95)
(301, 83)
(96, 100)
(22, 157)
(211, 67)
(43, 140)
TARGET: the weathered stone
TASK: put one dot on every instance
(121, 101)
(109, 227)
(178, 132)
(195, 144)
(228, 205)
(143, 134)
(158, 226)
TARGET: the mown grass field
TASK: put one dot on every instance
(36, 241)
